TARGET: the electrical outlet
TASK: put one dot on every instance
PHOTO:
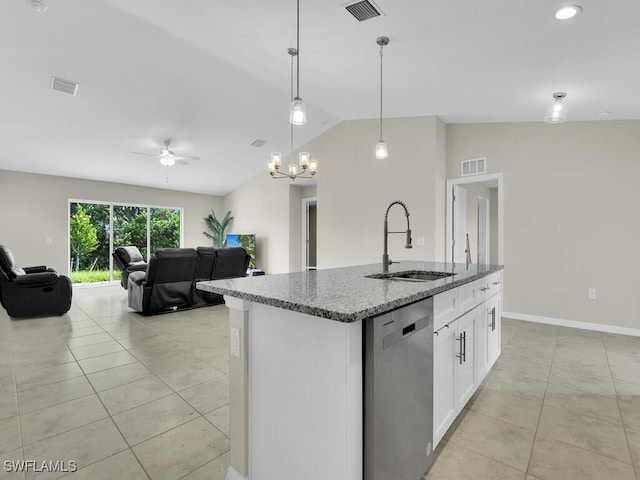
(49, 240)
(420, 241)
(235, 342)
(591, 293)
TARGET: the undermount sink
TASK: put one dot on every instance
(412, 276)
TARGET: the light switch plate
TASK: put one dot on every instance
(235, 342)
(591, 293)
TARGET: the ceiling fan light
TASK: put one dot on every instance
(298, 112)
(168, 160)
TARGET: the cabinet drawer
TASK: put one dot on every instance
(469, 296)
(490, 285)
(445, 307)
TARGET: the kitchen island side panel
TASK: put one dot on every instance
(305, 396)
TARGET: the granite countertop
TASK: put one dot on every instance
(346, 294)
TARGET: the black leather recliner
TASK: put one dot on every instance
(216, 264)
(128, 259)
(166, 284)
(32, 291)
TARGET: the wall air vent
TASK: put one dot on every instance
(64, 86)
(363, 10)
(475, 166)
(258, 143)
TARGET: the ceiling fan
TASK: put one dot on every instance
(168, 158)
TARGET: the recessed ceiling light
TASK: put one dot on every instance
(565, 13)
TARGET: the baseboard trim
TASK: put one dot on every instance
(598, 327)
(232, 474)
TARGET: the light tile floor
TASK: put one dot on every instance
(125, 396)
(560, 404)
(134, 397)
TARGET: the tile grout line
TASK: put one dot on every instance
(544, 396)
(636, 471)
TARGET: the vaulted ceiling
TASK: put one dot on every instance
(213, 76)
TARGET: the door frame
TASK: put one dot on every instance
(449, 205)
(305, 231)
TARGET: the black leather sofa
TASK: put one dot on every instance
(128, 259)
(169, 282)
(32, 291)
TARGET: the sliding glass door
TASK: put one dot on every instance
(96, 229)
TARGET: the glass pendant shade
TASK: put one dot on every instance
(381, 150)
(303, 159)
(556, 113)
(313, 167)
(276, 159)
(298, 112)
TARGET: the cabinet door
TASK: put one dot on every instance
(465, 356)
(482, 332)
(444, 378)
(493, 307)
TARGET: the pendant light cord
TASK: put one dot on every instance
(291, 124)
(381, 92)
(298, 49)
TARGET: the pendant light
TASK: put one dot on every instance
(381, 147)
(557, 112)
(298, 111)
(309, 166)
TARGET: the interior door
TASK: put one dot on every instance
(459, 224)
(484, 231)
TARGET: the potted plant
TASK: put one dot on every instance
(217, 228)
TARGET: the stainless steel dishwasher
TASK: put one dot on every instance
(398, 393)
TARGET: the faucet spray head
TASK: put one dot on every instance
(408, 241)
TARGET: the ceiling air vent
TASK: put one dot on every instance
(258, 143)
(474, 166)
(64, 86)
(363, 10)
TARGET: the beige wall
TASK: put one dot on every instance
(571, 193)
(262, 206)
(354, 190)
(35, 207)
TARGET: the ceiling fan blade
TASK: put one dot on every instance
(189, 157)
(181, 161)
(146, 154)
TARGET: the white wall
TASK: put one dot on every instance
(571, 193)
(34, 207)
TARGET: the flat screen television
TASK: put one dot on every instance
(246, 241)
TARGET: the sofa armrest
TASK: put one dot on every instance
(137, 278)
(37, 269)
(36, 279)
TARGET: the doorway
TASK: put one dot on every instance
(309, 233)
(478, 205)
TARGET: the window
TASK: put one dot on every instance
(96, 229)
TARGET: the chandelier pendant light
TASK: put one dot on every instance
(381, 147)
(557, 113)
(298, 110)
(308, 166)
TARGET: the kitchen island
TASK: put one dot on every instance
(296, 367)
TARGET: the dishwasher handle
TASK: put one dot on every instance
(406, 331)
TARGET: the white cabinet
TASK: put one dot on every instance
(494, 326)
(466, 360)
(454, 378)
(444, 381)
(466, 345)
